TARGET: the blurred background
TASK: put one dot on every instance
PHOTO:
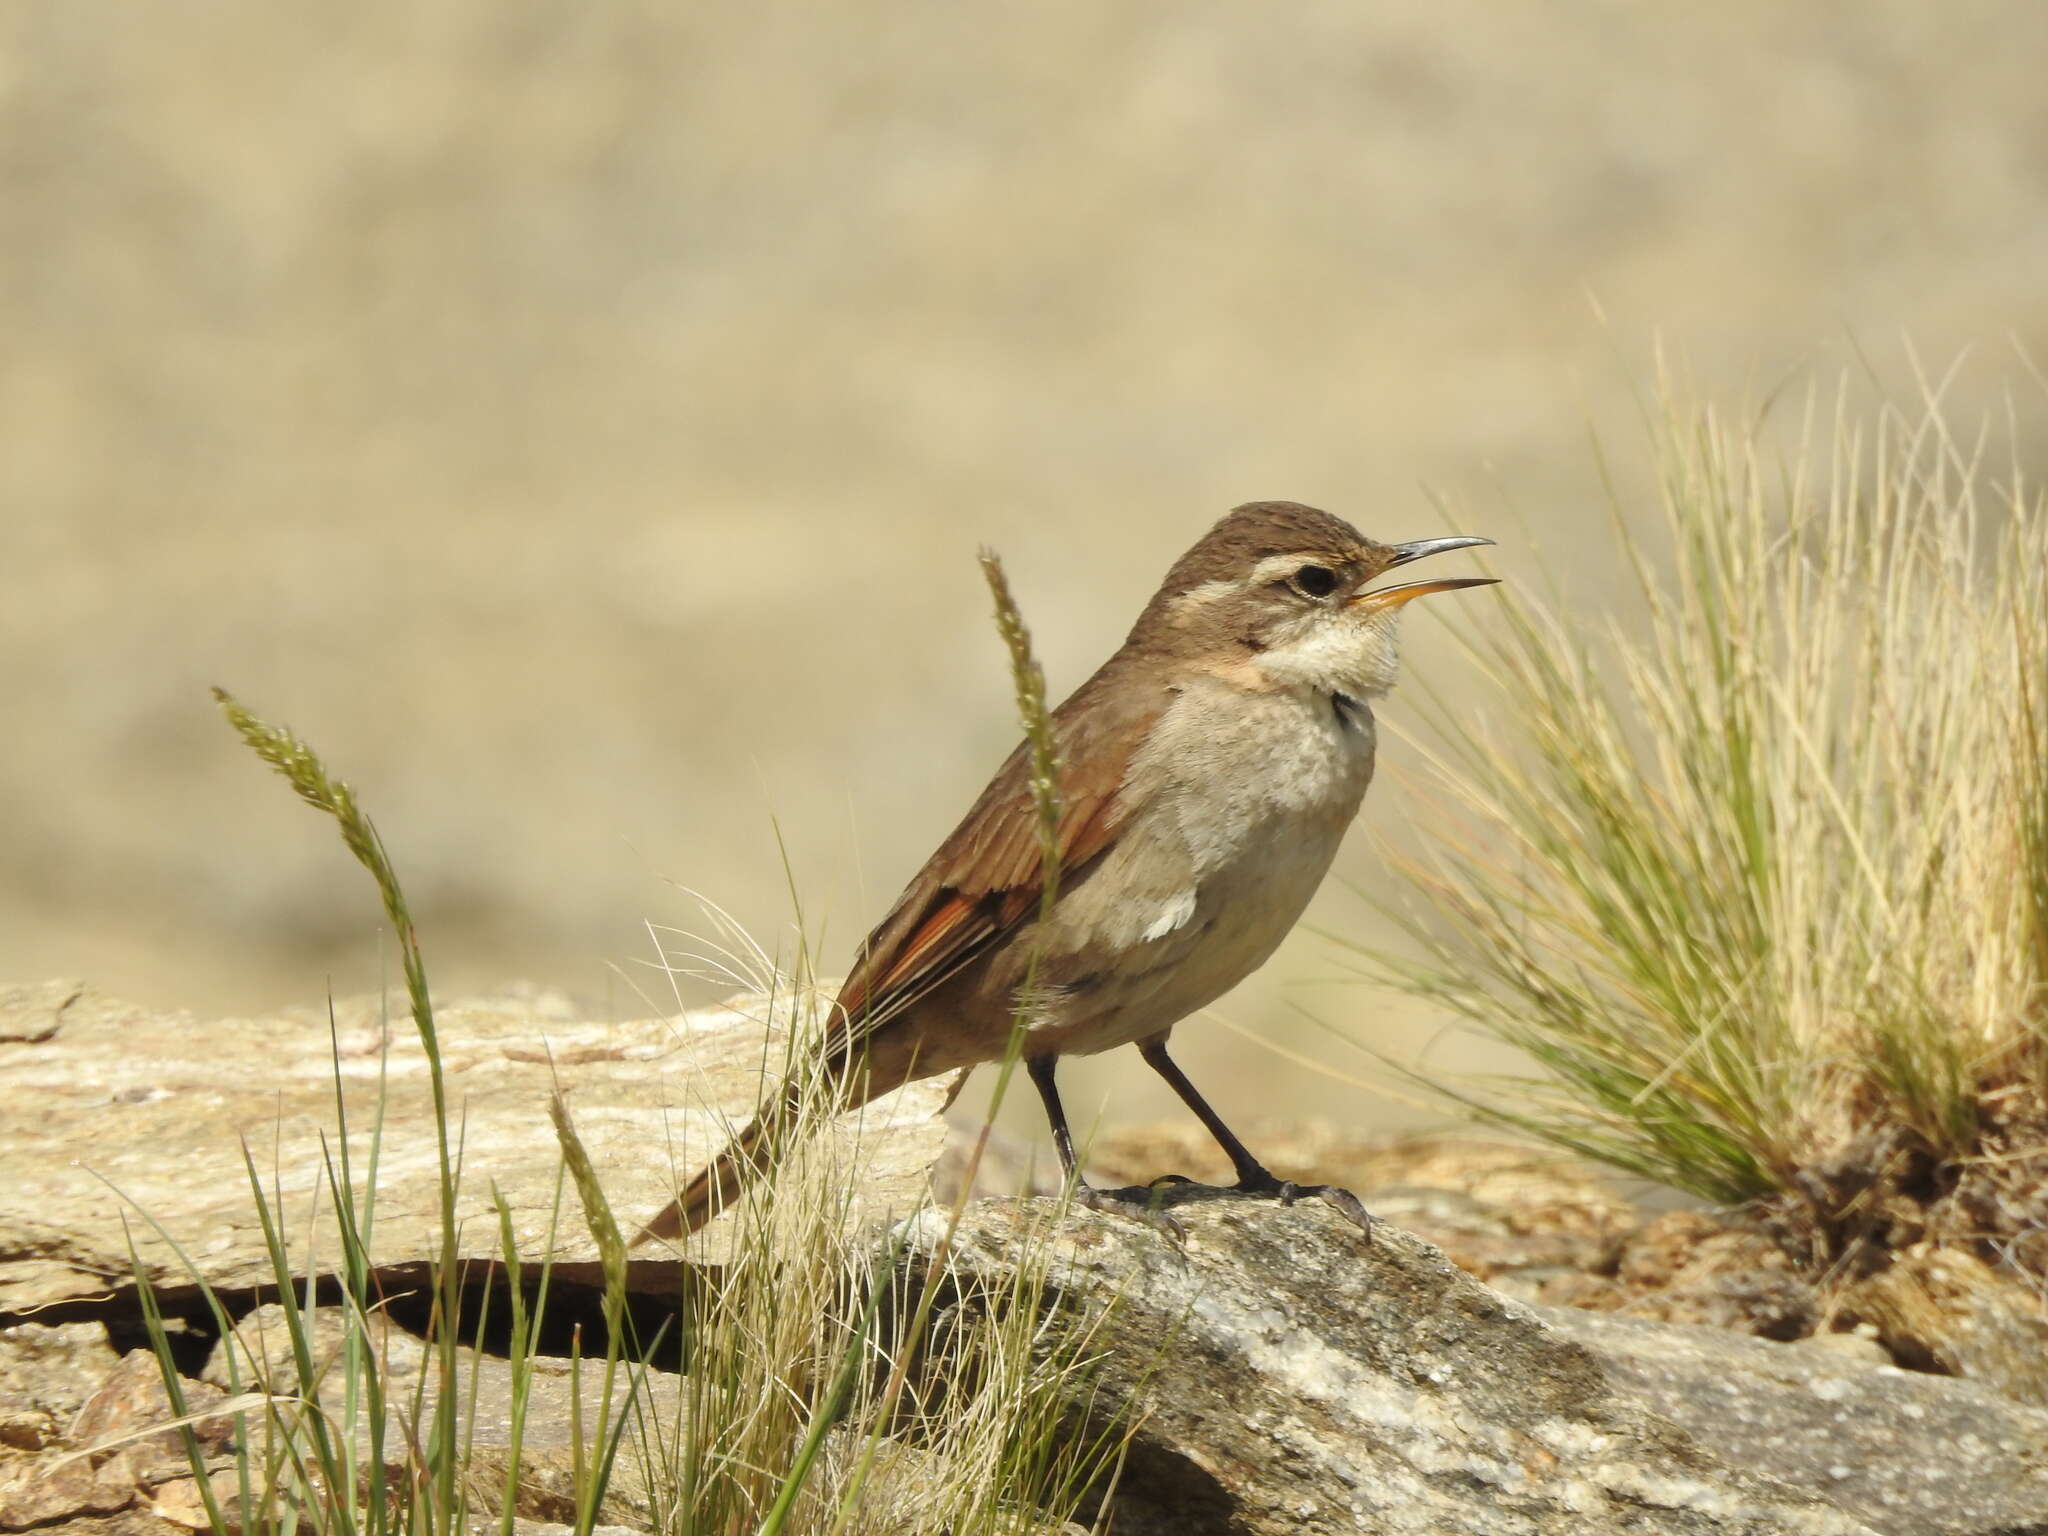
(579, 420)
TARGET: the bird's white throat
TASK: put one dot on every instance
(1355, 654)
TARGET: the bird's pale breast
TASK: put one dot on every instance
(1240, 803)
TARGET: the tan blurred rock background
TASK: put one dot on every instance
(580, 419)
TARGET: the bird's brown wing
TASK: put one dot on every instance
(987, 878)
(982, 884)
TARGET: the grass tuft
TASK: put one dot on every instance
(1760, 884)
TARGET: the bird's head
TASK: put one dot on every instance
(1283, 595)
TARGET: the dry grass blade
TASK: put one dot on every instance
(1032, 713)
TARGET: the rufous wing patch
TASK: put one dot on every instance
(988, 877)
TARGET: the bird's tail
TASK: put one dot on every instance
(746, 1157)
(818, 1086)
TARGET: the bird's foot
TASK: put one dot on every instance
(1147, 1203)
(1139, 1203)
(1260, 1184)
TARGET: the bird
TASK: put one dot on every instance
(1207, 771)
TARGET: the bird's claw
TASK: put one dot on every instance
(1287, 1192)
(1343, 1202)
(1135, 1205)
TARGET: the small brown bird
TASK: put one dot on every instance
(1208, 770)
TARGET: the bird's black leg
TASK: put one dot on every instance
(1041, 1070)
(1132, 1203)
(1253, 1178)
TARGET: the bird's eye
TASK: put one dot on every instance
(1314, 581)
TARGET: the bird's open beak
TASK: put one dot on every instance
(1386, 598)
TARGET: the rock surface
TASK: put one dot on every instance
(103, 1461)
(1525, 1219)
(1291, 1377)
(1297, 1380)
(115, 1459)
(146, 1486)
(1904, 1451)
(1944, 1307)
(156, 1105)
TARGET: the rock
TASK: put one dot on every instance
(1946, 1308)
(157, 1105)
(181, 1502)
(32, 1014)
(1856, 1346)
(41, 1491)
(1688, 1267)
(1526, 1220)
(27, 1429)
(1901, 1450)
(47, 1373)
(1292, 1378)
(262, 1352)
(53, 1368)
(258, 1355)
(120, 1419)
(545, 1485)
(113, 1457)
(548, 1450)
(144, 1470)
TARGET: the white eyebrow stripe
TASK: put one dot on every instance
(1277, 567)
(1272, 568)
(1207, 592)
